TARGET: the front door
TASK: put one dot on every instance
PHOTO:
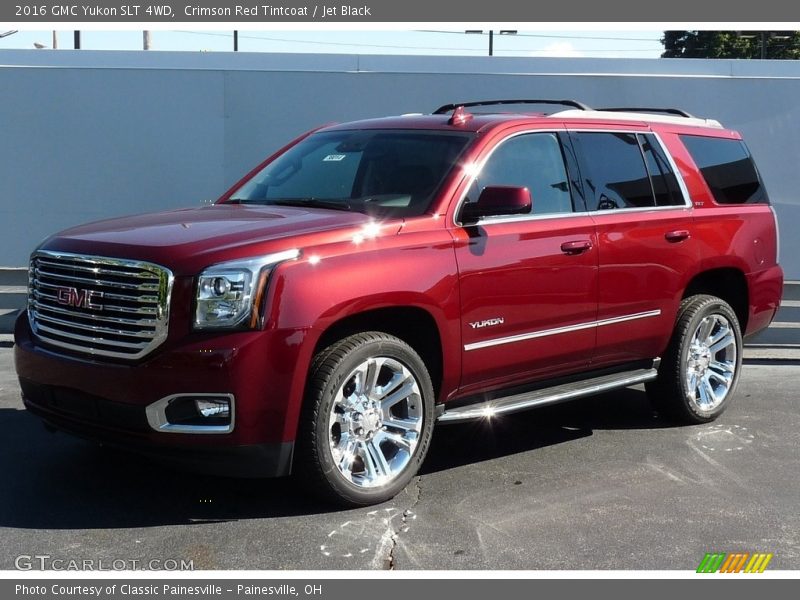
(528, 283)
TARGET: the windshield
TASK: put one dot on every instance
(388, 173)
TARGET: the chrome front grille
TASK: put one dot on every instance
(98, 306)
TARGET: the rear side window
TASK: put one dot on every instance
(727, 168)
(665, 184)
(614, 171)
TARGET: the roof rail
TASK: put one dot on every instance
(636, 116)
(666, 111)
(448, 107)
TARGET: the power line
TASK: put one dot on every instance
(551, 36)
(582, 50)
(354, 45)
(406, 46)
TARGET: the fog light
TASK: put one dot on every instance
(193, 413)
(213, 407)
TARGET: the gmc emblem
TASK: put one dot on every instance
(70, 296)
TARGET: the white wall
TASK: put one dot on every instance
(86, 135)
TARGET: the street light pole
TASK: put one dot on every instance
(491, 36)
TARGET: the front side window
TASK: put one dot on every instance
(534, 161)
(388, 173)
(727, 168)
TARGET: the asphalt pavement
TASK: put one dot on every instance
(601, 483)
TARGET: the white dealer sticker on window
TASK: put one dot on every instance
(334, 157)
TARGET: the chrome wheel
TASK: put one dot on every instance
(700, 367)
(375, 422)
(711, 362)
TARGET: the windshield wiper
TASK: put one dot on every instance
(310, 202)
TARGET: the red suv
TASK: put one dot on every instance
(373, 278)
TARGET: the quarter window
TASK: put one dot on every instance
(727, 168)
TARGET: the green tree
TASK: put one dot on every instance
(731, 44)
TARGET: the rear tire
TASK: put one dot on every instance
(367, 420)
(700, 370)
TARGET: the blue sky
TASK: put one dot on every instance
(593, 43)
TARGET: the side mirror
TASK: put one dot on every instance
(498, 200)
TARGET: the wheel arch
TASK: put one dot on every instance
(414, 325)
(726, 283)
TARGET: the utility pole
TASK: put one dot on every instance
(145, 40)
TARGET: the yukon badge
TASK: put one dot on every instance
(487, 323)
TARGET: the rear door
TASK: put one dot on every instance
(529, 282)
(645, 235)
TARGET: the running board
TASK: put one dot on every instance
(552, 395)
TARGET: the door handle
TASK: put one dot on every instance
(576, 246)
(677, 236)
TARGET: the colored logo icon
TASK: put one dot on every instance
(736, 562)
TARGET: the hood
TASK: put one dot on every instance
(187, 239)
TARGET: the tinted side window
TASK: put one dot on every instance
(534, 161)
(665, 183)
(614, 171)
(727, 168)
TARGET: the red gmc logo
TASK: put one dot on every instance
(70, 296)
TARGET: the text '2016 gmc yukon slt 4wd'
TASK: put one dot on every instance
(373, 278)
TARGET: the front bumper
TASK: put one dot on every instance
(253, 460)
(107, 402)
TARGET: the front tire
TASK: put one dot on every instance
(367, 419)
(700, 371)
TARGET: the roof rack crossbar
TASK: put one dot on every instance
(448, 107)
(666, 111)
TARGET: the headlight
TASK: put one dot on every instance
(228, 294)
